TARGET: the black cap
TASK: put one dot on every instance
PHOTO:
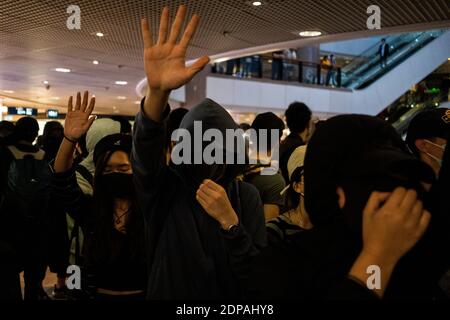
(111, 143)
(428, 124)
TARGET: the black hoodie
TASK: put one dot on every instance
(362, 154)
(190, 257)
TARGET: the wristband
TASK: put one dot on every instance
(70, 140)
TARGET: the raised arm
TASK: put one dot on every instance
(78, 121)
(165, 61)
(165, 68)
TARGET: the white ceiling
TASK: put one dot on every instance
(34, 38)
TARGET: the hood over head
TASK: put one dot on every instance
(200, 119)
(361, 154)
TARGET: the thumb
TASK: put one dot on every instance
(198, 65)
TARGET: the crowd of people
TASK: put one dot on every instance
(350, 194)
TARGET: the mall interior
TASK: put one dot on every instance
(342, 109)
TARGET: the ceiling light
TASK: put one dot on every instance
(8, 91)
(45, 82)
(122, 98)
(99, 34)
(121, 83)
(64, 70)
(95, 62)
(310, 33)
(114, 107)
(257, 3)
(55, 98)
(137, 102)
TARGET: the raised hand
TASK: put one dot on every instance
(78, 120)
(214, 200)
(165, 61)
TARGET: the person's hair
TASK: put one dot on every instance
(27, 129)
(105, 249)
(292, 197)
(298, 116)
(268, 121)
(244, 126)
(52, 138)
(383, 40)
(6, 128)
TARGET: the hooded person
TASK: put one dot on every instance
(191, 256)
(348, 158)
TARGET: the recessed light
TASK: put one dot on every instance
(137, 102)
(256, 3)
(45, 82)
(99, 34)
(310, 33)
(95, 62)
(63, 70)
(55, 98)
(122, 98)
(114, 107)
(121, 83)
(8, 91)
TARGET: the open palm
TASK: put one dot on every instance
(78, 120)
(165, 61)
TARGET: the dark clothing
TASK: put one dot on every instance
(383, 53)
(191, 258)
(281, 229)
(123, 271)
(287, 146)
(9, 273)
(269, 186)
(312, 265)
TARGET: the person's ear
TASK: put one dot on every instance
(421, 145)
(297, 186)
(341, 197)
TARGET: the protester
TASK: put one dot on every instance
(268, 185)
(111, 221)
(200, 221)
(295, 219)
(298, 119)
(365, 198)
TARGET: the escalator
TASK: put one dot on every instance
(366, 68)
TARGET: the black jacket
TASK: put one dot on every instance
(190, 257)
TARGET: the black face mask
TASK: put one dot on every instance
(118, 185)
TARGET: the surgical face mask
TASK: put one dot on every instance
(439, 161)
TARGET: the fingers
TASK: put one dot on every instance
(178, 23)
(146, 33)
(375, 201)
(163, 26)
(409, 200)
(198, 65)
(396, 197)
(85, 101)
(78, 101)
(91, 106)
(190, 31)
(69, 105)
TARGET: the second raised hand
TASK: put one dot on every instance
(78, 118)
(165, 61)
